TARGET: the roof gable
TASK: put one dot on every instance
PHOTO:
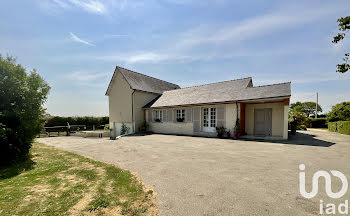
(141, 82)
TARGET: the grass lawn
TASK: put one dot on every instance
(56, 182)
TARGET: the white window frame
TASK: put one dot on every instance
(159, 115)
(180, 113)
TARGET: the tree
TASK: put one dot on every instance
(22, 97)
(340, 112)
(296, 104)
(298, 119)
(344, 27)
(308, 108)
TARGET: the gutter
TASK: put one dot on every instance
(216, 103)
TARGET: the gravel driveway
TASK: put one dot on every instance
(209, 176)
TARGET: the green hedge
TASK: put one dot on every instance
(318, 123)
(343, 127)
(86, 120)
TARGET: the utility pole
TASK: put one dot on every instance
(316, 104)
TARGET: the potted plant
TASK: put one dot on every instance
(236, 130)
(228, 133)
(220, 131)
(180, 119)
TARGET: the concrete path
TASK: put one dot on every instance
(209, 176)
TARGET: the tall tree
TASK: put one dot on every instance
(308, 108)
(340, 112)
(22, 96)
(344, 27)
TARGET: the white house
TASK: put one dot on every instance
(262, 111)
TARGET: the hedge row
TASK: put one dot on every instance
(342, 127)
(86, 120)
(318, 123)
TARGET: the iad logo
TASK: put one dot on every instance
(328, 180)
(330, 208)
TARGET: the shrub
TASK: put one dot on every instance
(220, 131)
(228, 133)
(298, 119)
(180, 119)
(144, 126)
(106, 127)
(332, 126)
(342, 127)
(318, 123)
(340, 112)
(22, 97)
(124, 129)
(237, 126)
(88, 121)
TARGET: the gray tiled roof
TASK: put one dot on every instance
(143, 82)
(233, 90)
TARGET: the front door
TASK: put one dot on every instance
(209, 119)
(263, 122)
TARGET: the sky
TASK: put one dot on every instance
(75, 45)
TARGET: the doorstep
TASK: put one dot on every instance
(262, 137)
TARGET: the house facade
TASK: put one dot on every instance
(261, 111)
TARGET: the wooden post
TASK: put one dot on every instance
(242, 118)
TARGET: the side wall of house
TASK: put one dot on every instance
(278, 118)
(119, 103)
(169, 125)
(231, 116)
(140, 100)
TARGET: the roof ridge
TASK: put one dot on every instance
(148, 76)
(270, 84)
(211, 83)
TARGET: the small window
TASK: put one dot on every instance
(159, 116)
(180, 115)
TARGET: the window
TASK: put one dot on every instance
(205, 117)
(180, 115)
(213, 117)
(159, 116)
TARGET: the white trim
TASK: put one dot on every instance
(210, 120)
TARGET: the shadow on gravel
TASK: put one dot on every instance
(298, 139)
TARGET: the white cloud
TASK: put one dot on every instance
(206, 42)
(252, 27)
(81, 76)
(196, 2)
(77, 39)
(322, 76)
(61, 4)
(116, 35)
(92, 6)
(140, 57)
(99, 7)
(146, 57)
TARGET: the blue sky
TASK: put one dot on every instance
(76, 44)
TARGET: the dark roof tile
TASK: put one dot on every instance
(142, 82)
